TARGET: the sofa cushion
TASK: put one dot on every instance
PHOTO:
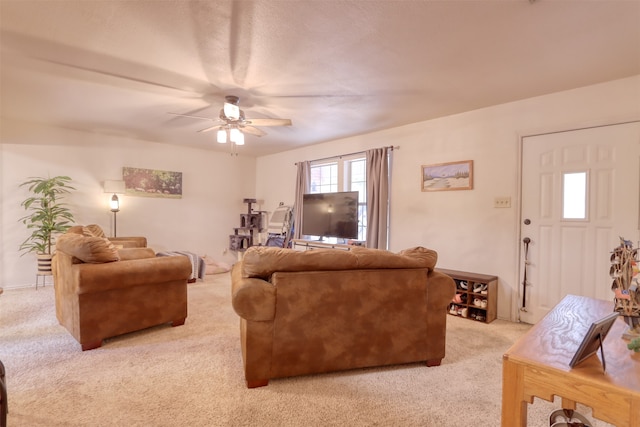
(91, 230)
(95, 230)
(81, 229)
(76, 229)
(417, 257)
(262, 261)
(428, 256)
(89, 249)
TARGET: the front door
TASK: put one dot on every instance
(580, 194)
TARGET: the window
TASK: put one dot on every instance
(357, 173)
(324, 178)
(343, 174)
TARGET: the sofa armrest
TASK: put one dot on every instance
(129, 242)
(121, 274)
(442, 289)
(252, 299)
(127, 254)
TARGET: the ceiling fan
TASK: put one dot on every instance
(231, 124)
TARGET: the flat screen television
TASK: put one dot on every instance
(330, 215)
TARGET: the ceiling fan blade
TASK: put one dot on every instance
(252, 131)
(194, 117)
(268, 122)
(210, 128)
(101, 68)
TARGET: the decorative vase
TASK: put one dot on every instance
(624, 271)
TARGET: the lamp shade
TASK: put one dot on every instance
(114, 187)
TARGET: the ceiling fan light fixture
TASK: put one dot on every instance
(231, 108)
(222, 136)
(233, 123)
(236, 136)
(231, 111)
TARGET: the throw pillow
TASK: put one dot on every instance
(76, 229)
(95, 230)
(90, 249)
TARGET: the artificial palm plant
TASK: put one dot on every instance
(47, 215)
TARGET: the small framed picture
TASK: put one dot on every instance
(592, 340)
(447, 176)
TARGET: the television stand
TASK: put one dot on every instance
(305, 245)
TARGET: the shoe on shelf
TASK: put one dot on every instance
(483, 303)
(463, 285)
(484, 288)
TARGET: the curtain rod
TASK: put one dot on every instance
(397, 147)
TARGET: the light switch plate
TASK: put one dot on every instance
(502, 202)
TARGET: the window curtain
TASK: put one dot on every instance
(303, 181)
(377, 197)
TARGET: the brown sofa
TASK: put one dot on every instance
(102, 291)
(328, 310)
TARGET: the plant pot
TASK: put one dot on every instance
(44, 264)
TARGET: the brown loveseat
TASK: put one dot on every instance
(327, 310)
(102, 291)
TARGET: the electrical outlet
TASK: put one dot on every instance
(502, 202)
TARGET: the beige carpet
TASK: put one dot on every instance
(192, 375)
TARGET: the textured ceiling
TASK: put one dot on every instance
(335, 68)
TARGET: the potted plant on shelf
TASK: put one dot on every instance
(46, 216)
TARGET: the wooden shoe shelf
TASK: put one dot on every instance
(485, 312)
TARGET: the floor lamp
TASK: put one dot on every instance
(114, 187)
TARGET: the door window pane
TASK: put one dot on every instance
(574, 195)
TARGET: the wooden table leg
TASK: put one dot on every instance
(634, 415)
(568, 406)
(514, 405)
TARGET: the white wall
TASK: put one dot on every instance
(463, 226)
(468, 233)
(214, 185)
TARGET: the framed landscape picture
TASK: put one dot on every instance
(447, 176)
(152, 183)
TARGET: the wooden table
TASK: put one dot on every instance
(537, 365)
